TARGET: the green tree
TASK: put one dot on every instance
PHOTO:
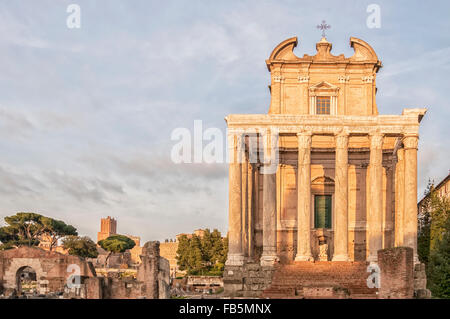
(8, 238)
(56, 229)
(116, 244)
(195, 256)
(434, 241)
(23, 229)
(440, 214)
(80, 246)
(423, 239)
(202, 255)
(439, 265)
(182, 252)
(27, 229)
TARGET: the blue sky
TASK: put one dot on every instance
(86, 114)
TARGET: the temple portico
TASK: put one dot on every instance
(323, 177)
(351, 136)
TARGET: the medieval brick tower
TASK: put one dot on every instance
(108, 227)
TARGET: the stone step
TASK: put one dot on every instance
(289, 281)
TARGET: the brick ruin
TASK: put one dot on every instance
(52, 271)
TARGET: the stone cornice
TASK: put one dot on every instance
(393, 125)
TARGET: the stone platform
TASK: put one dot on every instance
(320, 279)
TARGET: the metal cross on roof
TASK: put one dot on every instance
(324, 26)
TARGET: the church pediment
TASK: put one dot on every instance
(324, 85)
(323, 88)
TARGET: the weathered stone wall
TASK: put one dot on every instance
(94, 288)
(396, 273)
(249, 280)
(420, 282)
(148, 269)
(164, 279)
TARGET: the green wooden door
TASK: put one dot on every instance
(322, 211)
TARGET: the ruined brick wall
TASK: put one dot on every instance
(152, 280)
(52, 268)
(52, 272)
(94, 287)
(116, 288)
(396, 273)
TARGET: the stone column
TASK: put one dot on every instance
(341, 199)
(399, 197)
(251, 208)
(375, 204)
(235, 253)
(304, 197)
(410, 143)
(269, 254)
(244, 197)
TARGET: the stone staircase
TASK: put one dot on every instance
(320, 279)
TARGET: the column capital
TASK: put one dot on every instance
(341, 140)
(376, 140)
(236, 149)
(410, 141)
(304, 140)
(304, 133)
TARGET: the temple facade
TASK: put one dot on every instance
(323, 176)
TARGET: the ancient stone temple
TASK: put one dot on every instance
(323, 176)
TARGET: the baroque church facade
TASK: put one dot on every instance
(323, 176)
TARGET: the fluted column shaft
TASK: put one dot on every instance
(341, 199)
(410, 213)
(375, 205)
(304, 197)
(245, 219)
(399, 197)
(235, 250)
(269, 254)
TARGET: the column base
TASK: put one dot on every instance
(340, 258)
(304, 258)
(373, 259)
(235, 260)
(416, 260)
(269, 260)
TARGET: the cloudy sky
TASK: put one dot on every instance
(86, 114)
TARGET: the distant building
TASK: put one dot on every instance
(168, 250)
(108, 227)
(136, 251)
(443, 191)
(45, 243)
(198, 232)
